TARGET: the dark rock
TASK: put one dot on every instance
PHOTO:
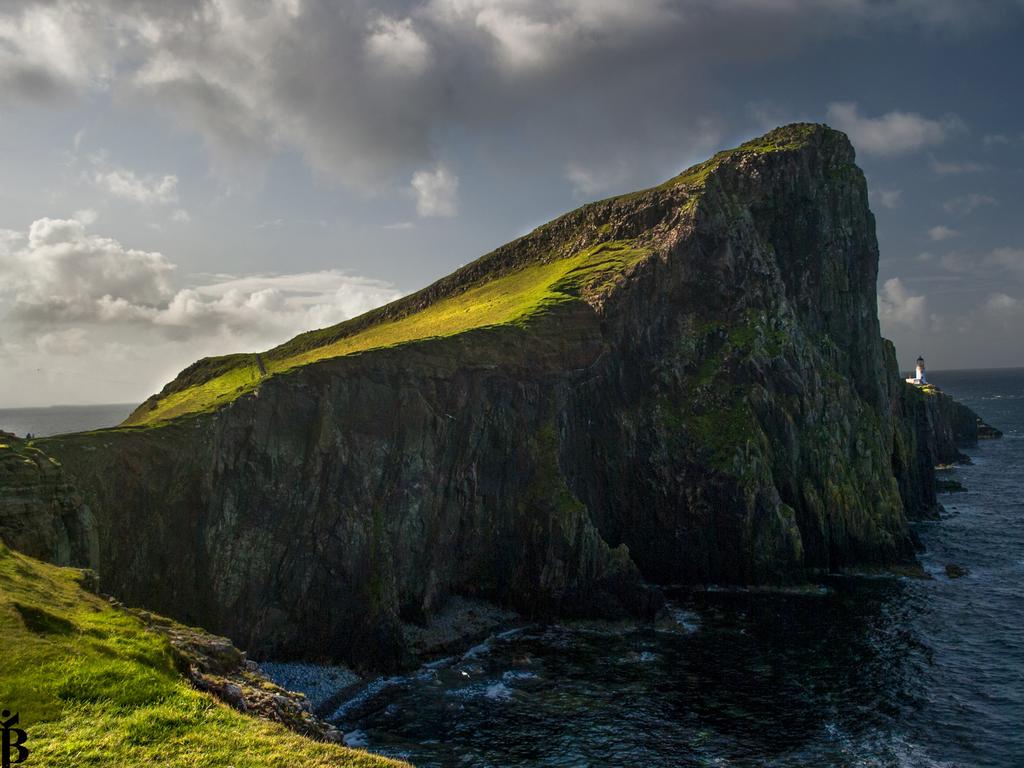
(950, 425)
(955, 571)
(41, 512)
(90, 581)
(461, 621)
(986, 431)
(949, 486)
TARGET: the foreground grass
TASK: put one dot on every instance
(93, 687)
(513, 298)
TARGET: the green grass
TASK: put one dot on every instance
(513, 298)
(785, 139)
(94, 687)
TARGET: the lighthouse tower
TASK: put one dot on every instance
(919, 377)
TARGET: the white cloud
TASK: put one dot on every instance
(1001, 302)
(896, 306)
(892, 133)
(61, 272)
(941, 232)
(87, 216)
(294, 302)
(397, 46)
(436, 192)
(62, 276)
(969, 203)
(949, 168)
(147, 190)
(181, 216)
(9, 239)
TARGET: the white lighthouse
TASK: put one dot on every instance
(919, 374)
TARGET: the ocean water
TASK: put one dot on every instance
(58, 419)
(861, 672)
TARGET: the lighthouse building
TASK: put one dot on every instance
(919, 375)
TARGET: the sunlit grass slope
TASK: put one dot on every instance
(513, 298)
(555, 263)
(93, 687)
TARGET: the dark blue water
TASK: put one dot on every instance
(868, 672)
(58, 419)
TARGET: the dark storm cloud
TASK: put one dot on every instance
(363, 91)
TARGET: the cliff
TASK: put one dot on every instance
(683, 384)
(940, 427)
(41, 513)
(951, 426)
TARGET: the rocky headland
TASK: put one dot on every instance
(683, 385)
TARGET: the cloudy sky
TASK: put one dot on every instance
(196, 177)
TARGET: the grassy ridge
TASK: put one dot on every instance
(94, 687)
(513, 298)
(509, 285)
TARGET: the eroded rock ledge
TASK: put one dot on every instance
(213, 664)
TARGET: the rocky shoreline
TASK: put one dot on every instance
(213, 664)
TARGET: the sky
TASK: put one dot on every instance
(181, 179)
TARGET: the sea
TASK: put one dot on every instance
(858, 671)
(58, 419)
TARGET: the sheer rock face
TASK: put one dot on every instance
(727, 412)
(941, 427)
(41, 513)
